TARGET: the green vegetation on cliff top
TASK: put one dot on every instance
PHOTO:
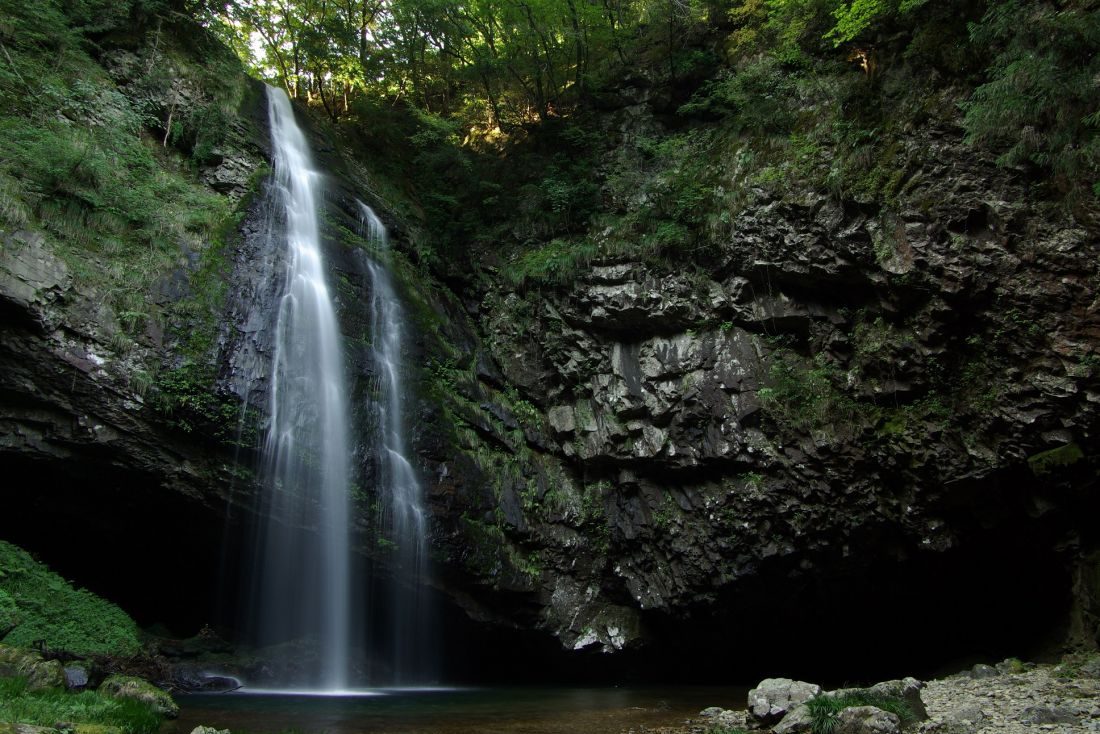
(112, 113)
(498, 106)
(38, 605)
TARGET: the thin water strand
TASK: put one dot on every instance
(404, 518)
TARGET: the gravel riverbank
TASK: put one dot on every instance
(1009, 698)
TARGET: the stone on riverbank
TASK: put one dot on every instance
(124, 686)
(772, 698)
(41, 674)
(867, 720)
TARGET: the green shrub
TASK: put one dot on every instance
(46, 607)
(1040, 104)
(807, 397)
(553, 263)
(52, 707)
(758, 97)
(9, 613)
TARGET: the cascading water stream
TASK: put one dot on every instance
(403, 520)
(303, 576)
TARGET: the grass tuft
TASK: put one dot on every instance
(824, 709)
(54, 708)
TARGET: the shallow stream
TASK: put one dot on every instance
(454, 711)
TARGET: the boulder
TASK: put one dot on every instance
(969, 714)
(15, 662)
(1091, 668)
(797, 721)
(208, 730)
(191, 679)
(867, 720)
(136, 689)
(11, 728)
(1039, 715)
(980, 671)
(76, 676)
(774, 697)
(1011, 666)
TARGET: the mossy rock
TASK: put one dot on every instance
(40, 674)
(96, 729)
(1047, 462)
(9, 728)
(136, 689)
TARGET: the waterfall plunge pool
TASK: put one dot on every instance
(528, 710)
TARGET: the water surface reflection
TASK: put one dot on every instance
(454, 711)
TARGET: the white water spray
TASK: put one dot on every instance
(304, 561)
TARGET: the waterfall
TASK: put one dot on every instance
(302, 573)
(402, 523)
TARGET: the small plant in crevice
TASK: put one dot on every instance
(805, 395)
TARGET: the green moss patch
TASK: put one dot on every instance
(1047, 462)
(43, 606)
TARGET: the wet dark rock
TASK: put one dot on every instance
(197, 680)
(929, 337)
(76, 676)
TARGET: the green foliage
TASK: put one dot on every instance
(824, 709)
(48, 608)
(78, 164)
(1074, 665)
(490, 554)
(758, 97)
(9, 613)
(553, 263)
(1040, 104)
(186, 394)
(807, 397)
(854, 18)
(53, 707)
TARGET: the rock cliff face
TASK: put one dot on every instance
(855, 420)
(877, 418)
(117, 452)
